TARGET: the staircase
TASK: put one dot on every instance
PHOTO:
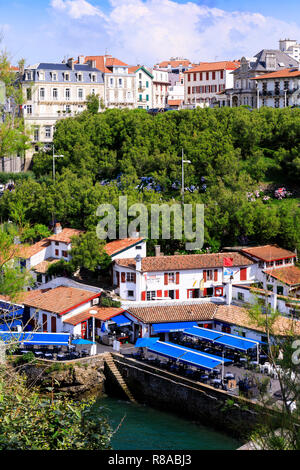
(109, 361)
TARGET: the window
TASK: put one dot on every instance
(222, 74)
(140, 97)
(278, 262)
(111, 82)
(68, 108)
(138, 247)
(28, 94)
(29, 109)
(151, 294)
(213, 75)
(67, 93)
(130, 293)
(41, 76)
(279, 290)
(269, 264)
(56, 252)
(147, 84)
(130, 277)
(269, 287)
(241, 296)
(79, 77)
(208, 275)
(55, 93)
(47, 132)
(80, 93)
(36, 134)
(93, 78)
(42, 93)
(120, 82)
(171, 278)
(54, 76)
(147, 97)
(64, 254)
(67, 77)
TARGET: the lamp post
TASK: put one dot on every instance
(182, 175)
(53, 158)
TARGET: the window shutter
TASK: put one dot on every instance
(123, 277)
(159, 293)
(215, 275)
(166, 293)
(143, 296)
(118, 278)
(177, 278)
(204, 276)
(166, 279)
(134, 278)
(177, 294)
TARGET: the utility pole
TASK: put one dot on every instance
(182, 175)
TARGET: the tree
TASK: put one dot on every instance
(87, 252)
(92, 103)
(283, 432)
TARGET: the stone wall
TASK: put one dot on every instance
(192, 400)
(76, 378)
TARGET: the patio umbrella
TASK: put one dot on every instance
(82, 341)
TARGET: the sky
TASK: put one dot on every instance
(145, 31)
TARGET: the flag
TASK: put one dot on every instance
(202, 284)
(228, 262)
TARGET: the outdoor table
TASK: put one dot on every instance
(24, 351)
(203, 377)
(38, 353)
(60, 356)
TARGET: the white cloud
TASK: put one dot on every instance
(151, 30)
(76, 8)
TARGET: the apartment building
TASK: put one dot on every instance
(290, 47)
(244, 90)
(119, 82)
(55, 91)
(174, 65)
(203, 82)
(143, 86)
(278, 89)
(160, 88)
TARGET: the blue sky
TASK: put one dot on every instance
(145, 31)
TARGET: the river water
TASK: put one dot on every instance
(145, 428)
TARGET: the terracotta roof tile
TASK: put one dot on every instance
(26, 251)
(44, 265)
(102, 313)
(182, 262)
(174, 313)
(174, 63)
(65, 235)
(268, 252)
(212, 66)
(285, 73)
(58, 300)
(240, 317)
(288, 274)
(115, 246)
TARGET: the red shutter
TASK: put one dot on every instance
(177, 278)
(204, 276)
(243, 274)
(159, 293)
(177, 294)
(143, 296)
(204, 292)
(134, 278)
(123, 277)
(215, 275)
(166, 279)
(118, 279)
(166, 293)
(44, 322)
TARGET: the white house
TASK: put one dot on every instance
(180, 277)
(160, 88)
(143, 86)
(279, 89)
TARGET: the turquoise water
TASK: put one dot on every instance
(145, 428)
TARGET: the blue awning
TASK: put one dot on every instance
(182, 354)
(32, 338)
(145, 342)
(121, 320)
(82, 341)
(10, 324)
(171, 327)
(224, 339)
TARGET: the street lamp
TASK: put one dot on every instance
(182, 175)
(54, 157)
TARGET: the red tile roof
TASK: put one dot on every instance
(103, 62)
(58, 300)
(101, 313)
(212, 66)
(268, 252)
(174, 63)
(27, 251)
(65, 235)
(182, 262)
(285, 73)
(44, 265)
(116, 246)
(173, 313)
(287, 274)
(174, 102)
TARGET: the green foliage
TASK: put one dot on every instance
(30, 422)
(107, 302)
(60, 268)
(35, 233)
(92, 103)
(87, 252)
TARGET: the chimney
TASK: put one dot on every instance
(57, 228)
(138, 262)
(81, 59)
(157, 250)
(71, 63)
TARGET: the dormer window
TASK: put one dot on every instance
(93, 77)
(41, 75)
(28, 76)
(79, 77)
(67, 77)
(54, 76)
